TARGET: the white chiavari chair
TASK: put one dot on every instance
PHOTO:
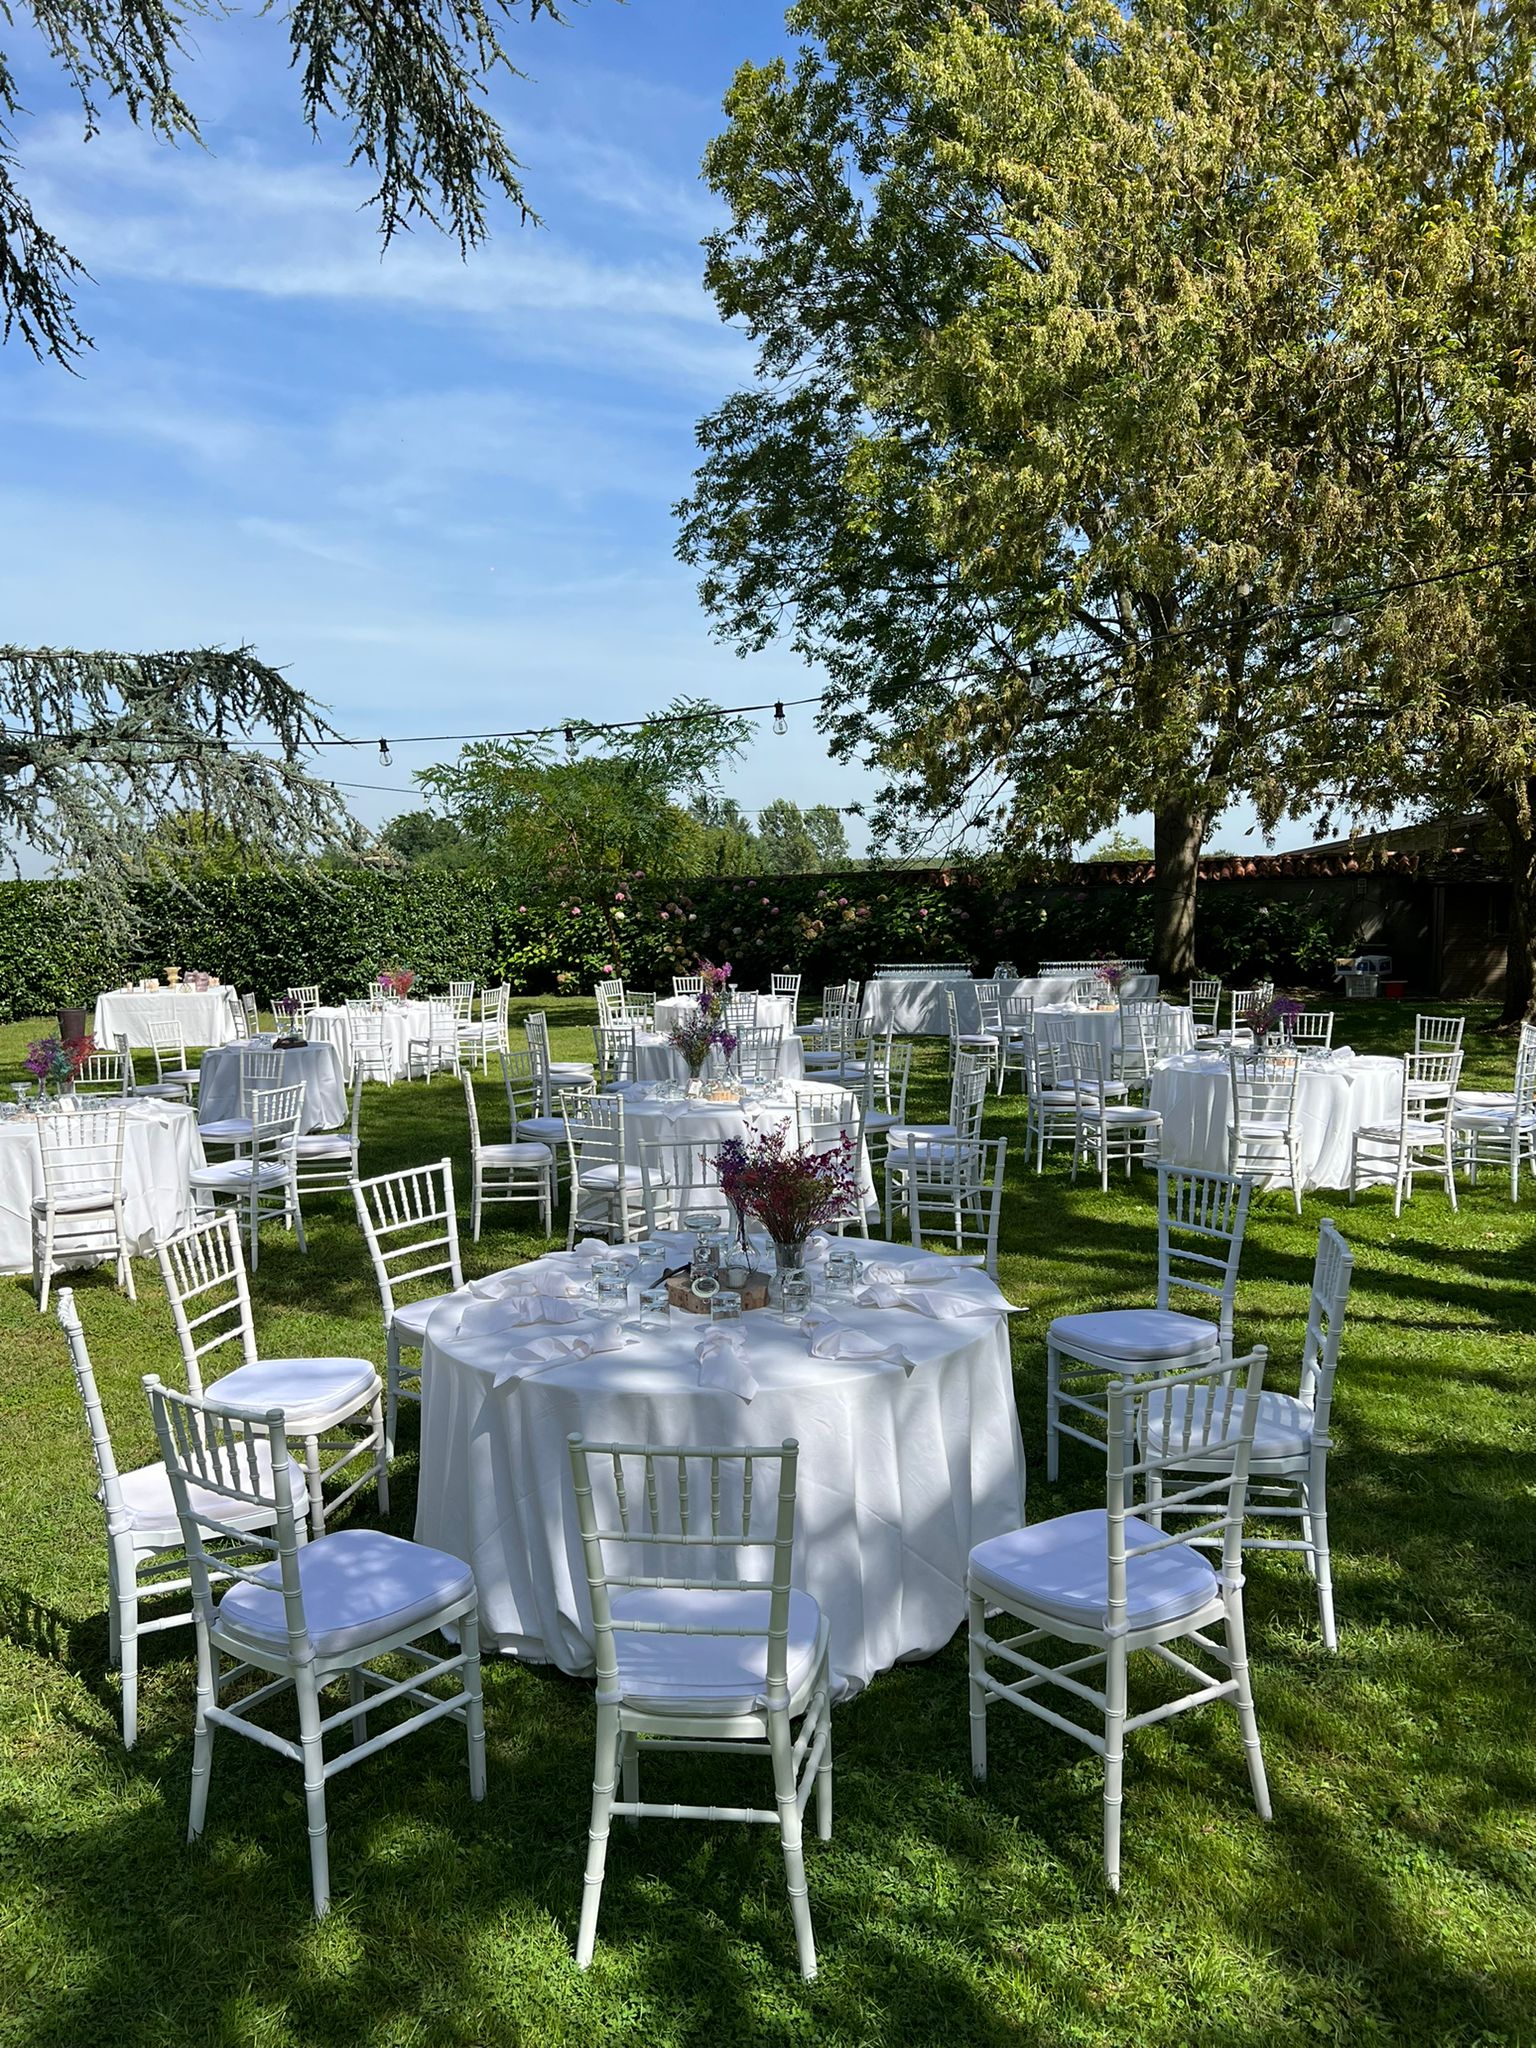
(1261, 1136)
(261, 1067)
(433, 1048)
(175, 1076)
(410, 1225)
(787, 986)
(1205, 1004)
(1109, 1583)
(306, 994)
(79, 1214)
(517, 1170)
(334, 1404)
(606, 1194)
(687, 984)
(263, 1183)
(1498, 1127)
(988, 1043)
(105, 1073)
(556, 1078)
(615, 1058)
(736, 1659)
(1310, 1028)
(307, 1614)
(1012, 1055)
(1421, 1140)
(327, 1161)
(1438, 1034)
(1107, 1129)
(1050, 1098)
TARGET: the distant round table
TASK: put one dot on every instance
(399, 1023)
(655, 1059)
(774, 1013)
(1061, 1023)
(1335, 1094)
(161, 1147)
(903, 1467)
(203, 1016)
(317, 1065)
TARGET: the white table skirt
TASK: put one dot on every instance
(1175, 1029)
(898, 1476)
(161, 1149)
(1193, 1094)
(916, 1006)
(202, 1014)
(317, 1065)
(656, 1061)
(774, 1013)
(401, 1022)
(706, 1123)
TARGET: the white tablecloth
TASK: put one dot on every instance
(1333, 1098)
(774, 1013)
(1175, 1028)
(898, 1477)
(203, 1015)
(160, 1151)
(317, 1065)
(656, 1061)
(917, 1007)
(706, 1123)
(401, 1021)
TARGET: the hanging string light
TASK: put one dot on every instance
(386, 758)
(780, 722)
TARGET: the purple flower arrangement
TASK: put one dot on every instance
(791, 1190)
(58, 1059)
(1274, 1014)
(697, 1037)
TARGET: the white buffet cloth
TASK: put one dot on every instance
(1060, 1026)
(161, 1148)
(697, 1122)
(317, 1065)
(655, 1059)
(401, 1023)
(203, 1015)
(1335, 1094)
(901, 1471)
(916, 1004)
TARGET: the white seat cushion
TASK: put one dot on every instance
(1477, 1098)
(236, 1175)
(1258, 1127)
(1060, 1569)
(1119, 1113)
(225, 1129)
(411, 1317)
(570, 1070)
(325, 1145)
(724, 1674)
(1417, 1133)
(607, 1176)
(360, 1586)
(166, 1091)
(985, 1039)
(933, 1152)
(529, 1154)
(151, 1506)
(1135, 1333)
(1283, 1431)
(94, 1204)
(306, 1389)
(551, 1128)
(900, 1133)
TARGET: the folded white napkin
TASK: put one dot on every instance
(832, 1339)
(516, 1311)
(913, 1272)
(531, 1279)
(941, 1306)
(722, 1356)
(523, 1361)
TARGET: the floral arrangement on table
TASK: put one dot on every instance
(791, 1190)
(696, 1037)
(289, 1009)
(1273, 1014)
(1109, 974)
(58, 1060)
(396, 981)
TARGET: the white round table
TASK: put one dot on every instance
(774, 1013)
(917, 1006)
(1335, 1095)
(400, 1022)
(317, 1065)
(203, 1015)
(1061, 1023)
(901, 1471)
(160, 1150)
(697, 1122)
(655, 1059)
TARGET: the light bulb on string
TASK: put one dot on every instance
(780, 722)
(386, 758)
(570, 741)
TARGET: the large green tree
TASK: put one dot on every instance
(1055, 454)
(408, 81)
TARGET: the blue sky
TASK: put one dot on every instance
(437, 492)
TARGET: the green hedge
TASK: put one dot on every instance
(338, 928)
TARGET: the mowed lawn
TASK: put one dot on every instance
(1393, 1899)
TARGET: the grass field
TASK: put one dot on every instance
(1393, 1899)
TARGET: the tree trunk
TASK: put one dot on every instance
(1177, 832)
(1520, 968)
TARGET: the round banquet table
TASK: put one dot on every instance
(697, 1122)
(655, 1059)
(916, 1005)
(900, 1472)
(401, 1022)
(317, 1065)
(774, 1013)
(202, 1014)
(1335, 1095)
(160, 1150)
(1061, 1023)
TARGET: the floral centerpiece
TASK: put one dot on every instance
(790, 1190)
(696, 1037)
(396, 981)
(1274, 1014)
(1109, 974)
(57, 1061)
(288, 1009)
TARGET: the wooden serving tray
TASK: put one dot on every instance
(679, 1285)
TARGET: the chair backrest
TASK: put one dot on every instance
(1264, 1088)
(411, 1228)
(237, 1020)
(1444, 1033)
(1204, 1412)
(615, 990)
(209, 1449)
(305, 993)
(1205, 993)
(1246, 999)
(203, 1272)
(473, 1113)
(638, 1007)
(676, 1175)
(741, 1006)
(536, 1031)
(103, 1073)
(785, 985)
(261, 1066)
(1430, 1080)
(1018, 1014)
(614, 1045)
(108, 1488)
(1311, 1027)
(1089, 1079)
(823, 1115)
(82, 1157)
(594, 1130)
(167, 1045)
(521, 1085)
(1201, 1222)
(1332, 1272)
(758, 1047)
(831, 1000)
(276, 1116)
(989, 1004)
(968, 1092)
(641, 1506)
(687, 984)
(252, 1014)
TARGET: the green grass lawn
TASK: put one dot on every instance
(1391, 1900)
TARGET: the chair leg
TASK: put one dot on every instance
(202, 1735)
(314, 1791)
(789, 1839)
(1315, 1497)
(127, 1606)
(1114, 1759)
(391, 1390)
(1237, 1653)
(312, 1481)
(380, 1457)
(824, 1768)
(629, 1762)
(976, 1662)
(357, 1692)
(474, 1704)
(1052, 1413)
(608, 1739)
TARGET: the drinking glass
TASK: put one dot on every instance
(612, 1289)
(842, 1270)
(726, 1306)
(794, 1295)
(655, 1309)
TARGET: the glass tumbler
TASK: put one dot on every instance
(726, 1306)
(842, 1270)
(794, 1295)
(655, 1308)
